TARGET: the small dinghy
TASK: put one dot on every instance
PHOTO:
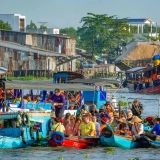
(80, 142)
(156, 143)
(110, 139)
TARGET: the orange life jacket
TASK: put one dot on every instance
(154, 77)
(1, 92)
(78, 98)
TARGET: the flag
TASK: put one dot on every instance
(82, 99)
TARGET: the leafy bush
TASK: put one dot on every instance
(26, 78)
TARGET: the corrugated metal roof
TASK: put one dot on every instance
(94, 81)
(46, 85)
(27, 49)
(135, 69)
(54, 35)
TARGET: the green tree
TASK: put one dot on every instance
(43, 27)
(71, 32)
(102, 33)
(32, 25)
(5, 26)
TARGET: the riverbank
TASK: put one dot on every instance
(32, 78)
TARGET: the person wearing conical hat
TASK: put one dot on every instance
(137, 127)
(122, 128)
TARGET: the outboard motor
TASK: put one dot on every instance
(107, 132)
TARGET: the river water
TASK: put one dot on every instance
(45, 153)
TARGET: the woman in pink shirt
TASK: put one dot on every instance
(72, 128)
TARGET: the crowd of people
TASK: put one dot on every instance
(89, 121)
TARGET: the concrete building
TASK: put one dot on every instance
(16, 21)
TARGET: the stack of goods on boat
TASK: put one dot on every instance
(156, 60)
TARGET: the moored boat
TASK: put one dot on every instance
(119, 141)
(77, 142)
(143, 79)
(32, 129)
(110, 139)
(156, 143)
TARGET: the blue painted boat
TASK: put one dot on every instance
(13, 137)
(156, 143)
(119, 141)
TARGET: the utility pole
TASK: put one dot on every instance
(156, 31)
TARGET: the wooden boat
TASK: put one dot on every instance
(119, 141)
(33, 129)
(140, 86)
(109, 138)
(81, 142)
(77, 142)
(156, 143)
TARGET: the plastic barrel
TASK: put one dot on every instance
(156, 62)
(155, 57)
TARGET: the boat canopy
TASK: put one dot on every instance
(98, 81)
(136, 69)
(46, 85)
(3, 70)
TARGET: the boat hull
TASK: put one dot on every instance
(118, 141)
(153, 89)
(155, 143)
(10, 142)
(76, 142)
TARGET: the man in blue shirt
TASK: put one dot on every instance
(156, 128)
(59, 101)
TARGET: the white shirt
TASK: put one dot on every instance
(140, 127)
(114, 102)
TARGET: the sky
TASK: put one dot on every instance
(68, 13)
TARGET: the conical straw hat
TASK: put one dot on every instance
(122, 120)
(136, 119)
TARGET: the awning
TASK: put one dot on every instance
(46, 85)
(135, 69)
(3, 70)
(94, 81)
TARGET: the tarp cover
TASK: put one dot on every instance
(46, 85)
(140, 50)
(97, 81)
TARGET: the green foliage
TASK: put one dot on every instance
(26, 78)
(5, 26)
(77, 64)
(43, 27)
(110, 150)
(71, 32)
(86, 155)
(133, 159)
(60, 158)
(123, 103)
(101, 33)
(32, 25)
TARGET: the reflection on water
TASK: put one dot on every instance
(75, 154)
(45, 153)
